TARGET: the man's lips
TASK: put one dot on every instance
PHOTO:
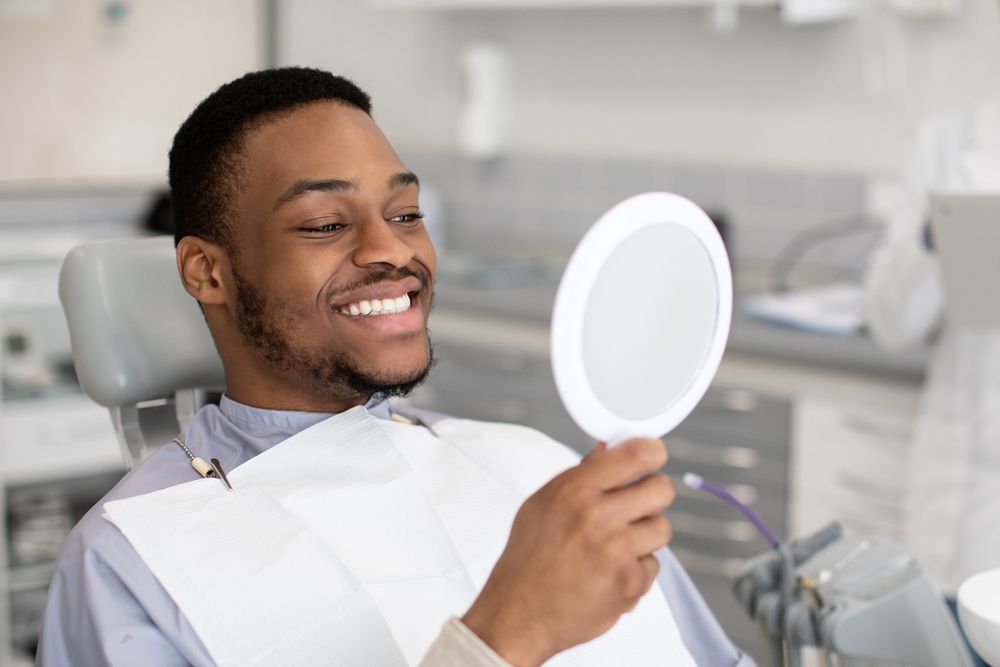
(389, 289)
(389, 315)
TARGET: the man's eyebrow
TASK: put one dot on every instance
(403, 179)
(300, 188)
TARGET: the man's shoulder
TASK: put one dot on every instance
(166, 467)
(102, 589)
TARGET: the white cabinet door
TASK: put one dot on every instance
(848, 464)
(92, 91)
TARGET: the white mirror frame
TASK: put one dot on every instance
(582, 270)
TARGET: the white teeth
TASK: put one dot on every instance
(377, 306)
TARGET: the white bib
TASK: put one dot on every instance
(352, 542)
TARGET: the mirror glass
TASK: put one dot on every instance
(649, 320)
(641, 318)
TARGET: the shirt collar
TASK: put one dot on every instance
(290, 420)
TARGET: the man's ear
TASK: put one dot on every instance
(204, 268)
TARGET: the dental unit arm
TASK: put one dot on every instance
(863, 599)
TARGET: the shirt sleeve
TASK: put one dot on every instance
(94, 620)
(105, 607)
(458, 646)
(701, 633)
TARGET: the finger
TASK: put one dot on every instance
(645, 497)
(649, 534)
(650, 568)
(623, 463)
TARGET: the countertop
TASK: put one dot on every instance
(527, 297)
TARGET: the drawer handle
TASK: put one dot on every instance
(732, 456)
(742, 492)
(698, 526)
(731, 400)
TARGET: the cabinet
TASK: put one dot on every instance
(851, 463)
(851, 435)
(739, 438)
(58, 449)
(38, 517)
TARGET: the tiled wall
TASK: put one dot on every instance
(543, 205)
(46, 222)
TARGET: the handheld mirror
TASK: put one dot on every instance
(641, 318)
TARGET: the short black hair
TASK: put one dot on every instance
(205, 167)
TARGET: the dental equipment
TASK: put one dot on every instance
(863, 599)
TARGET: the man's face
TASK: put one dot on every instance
(334, 269)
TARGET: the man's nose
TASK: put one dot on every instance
(379, 243)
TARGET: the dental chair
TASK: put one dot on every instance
(141, 346)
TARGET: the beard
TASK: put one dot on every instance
(265, 327)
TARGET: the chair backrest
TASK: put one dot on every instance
(141, 346)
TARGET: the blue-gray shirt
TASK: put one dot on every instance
(105, 607)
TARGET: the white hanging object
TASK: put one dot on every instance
(485, 115)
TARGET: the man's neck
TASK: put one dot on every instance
(270, 399)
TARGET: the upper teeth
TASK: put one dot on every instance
(377, 306)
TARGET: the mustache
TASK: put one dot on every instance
(378, 275)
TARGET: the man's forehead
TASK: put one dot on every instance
(330, 113)
(309, 125)
(320, 141)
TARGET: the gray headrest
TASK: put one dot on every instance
(136, 334)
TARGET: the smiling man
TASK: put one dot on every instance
(321, 258)
(441, 541)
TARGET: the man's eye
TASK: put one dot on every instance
(328, 228)
(408, 217)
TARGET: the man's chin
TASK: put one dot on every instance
(388, 383)
(388, 387)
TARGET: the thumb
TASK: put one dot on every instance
(600, 447)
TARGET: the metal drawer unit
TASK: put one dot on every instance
(741, 440)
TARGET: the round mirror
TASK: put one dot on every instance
(641, 318)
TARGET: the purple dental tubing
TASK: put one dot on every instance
(698, 482)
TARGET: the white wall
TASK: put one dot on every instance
(657, 83)
(87, 100)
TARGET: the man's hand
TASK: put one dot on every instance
(579, 554)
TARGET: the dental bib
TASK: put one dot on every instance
(352, 542)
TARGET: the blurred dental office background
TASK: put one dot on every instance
(812, 132)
